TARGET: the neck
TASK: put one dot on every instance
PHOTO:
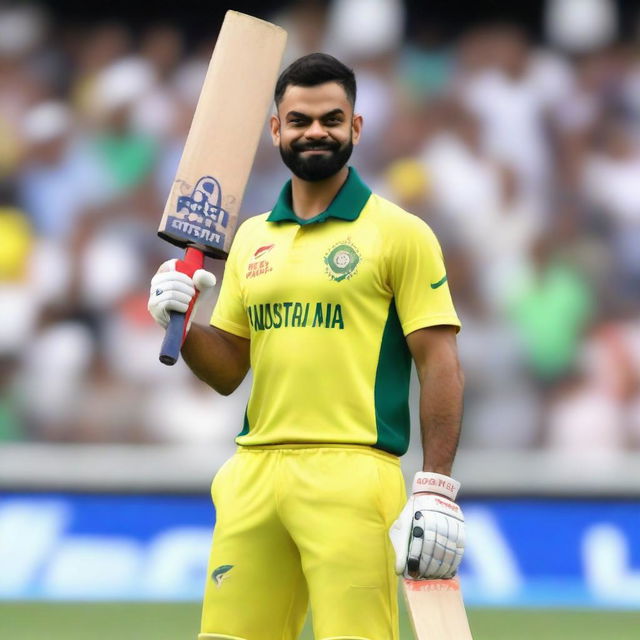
(312, 198)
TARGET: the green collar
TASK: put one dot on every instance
(347, 204)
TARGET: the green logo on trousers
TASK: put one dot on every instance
(342, 261)
(220, 573)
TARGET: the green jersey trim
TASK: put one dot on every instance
(391, 391)
(347, 204)
(245, 424)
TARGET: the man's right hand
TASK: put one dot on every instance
(176, 287)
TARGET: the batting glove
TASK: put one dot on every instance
(176, 287)
(428, 536)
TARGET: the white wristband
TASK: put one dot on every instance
(426, 481)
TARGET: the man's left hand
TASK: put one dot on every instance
(428, 536)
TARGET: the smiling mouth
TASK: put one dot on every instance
(317, 148)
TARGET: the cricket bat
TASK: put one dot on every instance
(436, 609)
(202, 209)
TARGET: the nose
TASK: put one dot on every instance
(315, 131)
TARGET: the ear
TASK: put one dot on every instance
(356, 128)
(274, 125)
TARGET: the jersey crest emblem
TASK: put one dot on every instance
(342, 260)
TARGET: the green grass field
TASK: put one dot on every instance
(178, 621)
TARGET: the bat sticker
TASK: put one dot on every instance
(200, 215)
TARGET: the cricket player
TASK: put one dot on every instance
(328, 298)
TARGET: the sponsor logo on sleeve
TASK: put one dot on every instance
(435, 285)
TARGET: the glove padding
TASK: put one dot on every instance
(428, 537)
(176, 287)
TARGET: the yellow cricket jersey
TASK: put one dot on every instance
(326, 303)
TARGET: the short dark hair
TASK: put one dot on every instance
(314, 69)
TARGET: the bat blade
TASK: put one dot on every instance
(202, 209)
(204, 201)
(436, 609)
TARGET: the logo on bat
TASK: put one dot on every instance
(200, 216)
(205, 202)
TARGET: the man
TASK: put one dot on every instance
(327, 298)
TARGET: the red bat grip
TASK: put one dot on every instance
(174, 336)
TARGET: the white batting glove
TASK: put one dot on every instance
(174, 290)
(428, 536)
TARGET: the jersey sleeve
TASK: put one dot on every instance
(229, 312)
(418, 279)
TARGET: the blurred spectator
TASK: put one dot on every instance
(578, 26)
(11, 418)
(128, 155)
(583, 419)
(491, 216)
(60, 177)
(306, 26)
(18, 304)
(54, 376)
(155, 113)
(512, 93)
(372, 49)
(426, 63)
(501, 404)
(21, 32)
(551, 306)
(95, 50)
(213, 420)
(19, 315)
(611, 186)
(575, 116)
(596, 409)
(379, 31)
(33, 274)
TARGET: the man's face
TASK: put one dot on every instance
(315, 130)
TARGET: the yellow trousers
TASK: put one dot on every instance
(299, 525)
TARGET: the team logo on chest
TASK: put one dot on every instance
(341, 262)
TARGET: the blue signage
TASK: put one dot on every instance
(519, 552)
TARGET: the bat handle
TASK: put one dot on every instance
(170, 350)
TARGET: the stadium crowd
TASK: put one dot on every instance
(523, 156)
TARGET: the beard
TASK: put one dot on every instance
(318, 167)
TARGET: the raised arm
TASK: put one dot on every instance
(219, 358)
